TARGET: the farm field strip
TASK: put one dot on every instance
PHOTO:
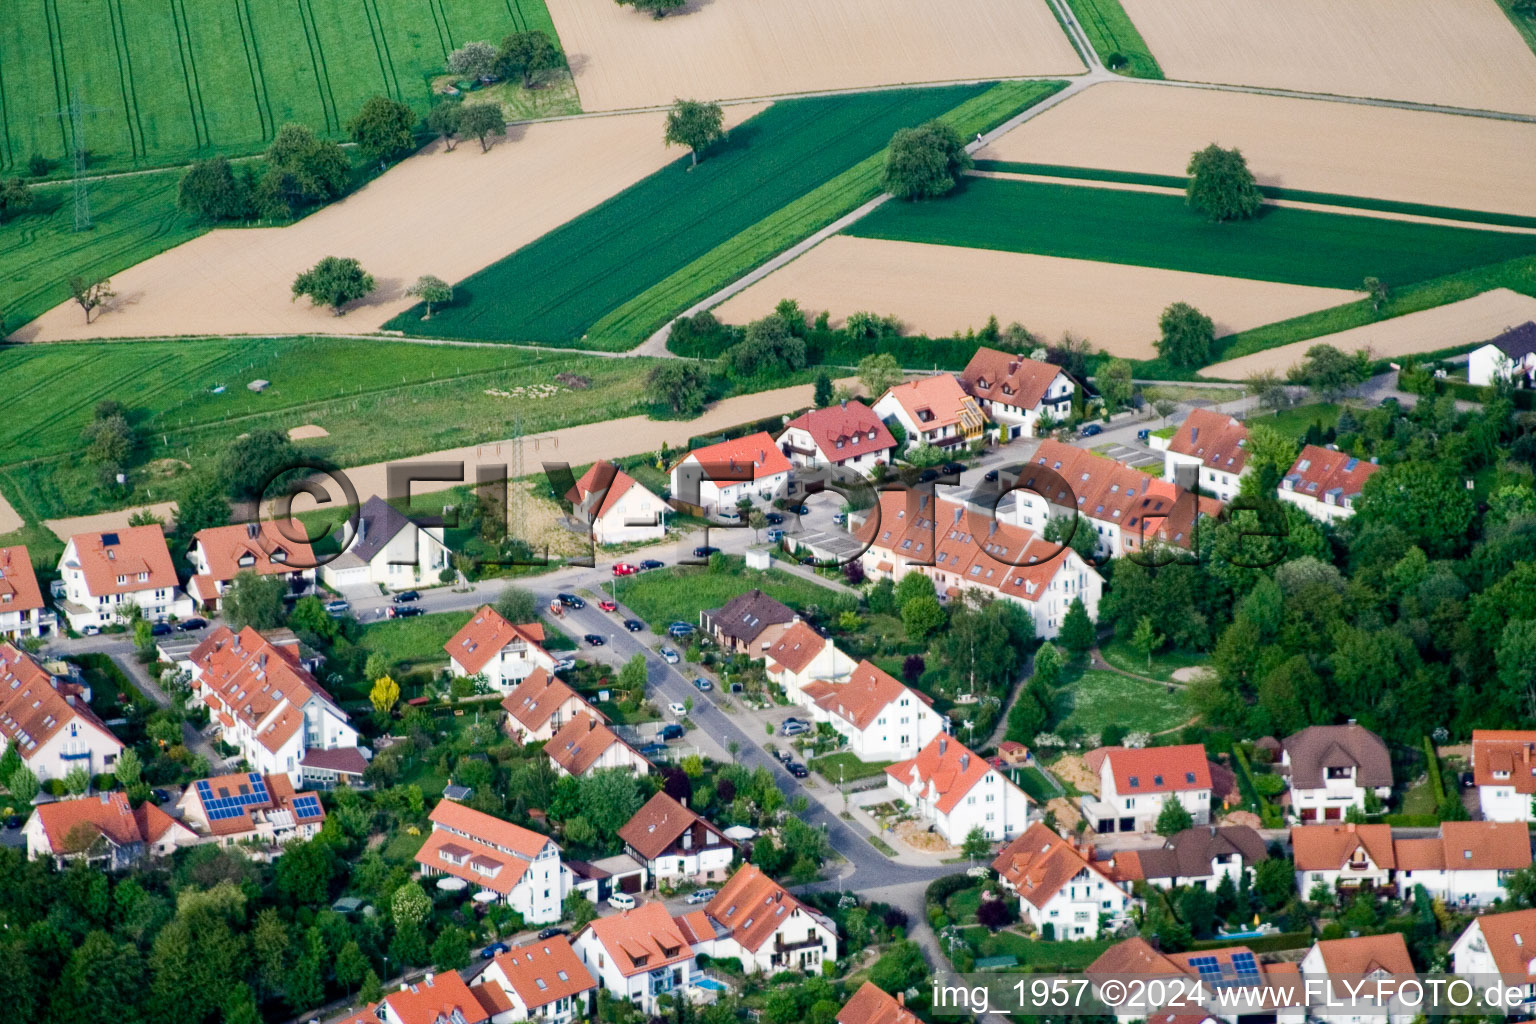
(1292, 246)
(1111, 32)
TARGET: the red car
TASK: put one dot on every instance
(607, 605)
(624, 569)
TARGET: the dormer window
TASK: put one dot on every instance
(247, 560)
(279, 555)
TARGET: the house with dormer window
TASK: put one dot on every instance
(107, 573)
(543, 981)
(504, 653)
(1016, 391)
(220, 554)
(957, 791)
(1344, 856)
(1332, 768)
(520, 867)
(1500, 949)
(1211, 448)
(1504, 770)
(1062, 891)
(934, 410)
(878, 718)
(757, 921)
(1325, 483)
(848, 434)
(1135, 783)
(49, 721)
(22, 611)
(1354, 980)
(641, 954)
(676, 844)
(800, 656)
(715, 478)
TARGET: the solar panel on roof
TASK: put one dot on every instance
(1245, 964)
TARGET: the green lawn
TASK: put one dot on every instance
(845, 767)
(1036, 954)
(679, 593)
(1146, 229)
(171, 80)
(414, 641)
(1098, 699)
(1294, 421)
(554, 289)
(1164, 663)
(1032, 782)
(1111, 32)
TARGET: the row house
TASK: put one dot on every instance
(501, 652)
(1201, 856)
(106, 574)
(677, 845)
(219, 554)
(1468, 863)
(958, 791)
(1061, 890)
(49, 721)
(934, 411)
(849, 435)
(1017, 392)
(1331, 768)
(1210, 447)
(878, 718)
(22, 611)
(520, 867)
(715, 478)
(1325, 483)
(1280, 997)
(1134, 784)
(615, 507)
(799, 656)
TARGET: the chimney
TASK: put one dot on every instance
(362, 528)
(901, 999)
(1349, 827)
(965, 761)
(429, 979)
(251, 529)
(591, 724)
(943, 745)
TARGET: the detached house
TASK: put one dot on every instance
(958, 791)
(1210, 447)
(436, 999)
(1344, 977)
(1201, 856)
(801, 655)
(1325, 483)
(755, 919)
(248, 807)
(540, 705)
(1509, 357)
(49, 721)
(103, 829)
(1016, 392)
(878, 717)
(521, 867)
(849, 434)
(106, 573)
(933, 410)
(585, 744)
(1135, 783)
(675, 844)
(220, 554)
(388, 550)
(1499, 949)
(638, 955)
(871, 1004)
(543, 981)
(1343, 856)
(1467, 864)
(615, 507)
(715, 478)
(1331, 768)
(1504, 768)
(1061, 891)
(741, 623)
(22, 611)
(504, 653)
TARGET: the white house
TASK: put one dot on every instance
(586, 744)
(1504, 769)
(543, 980)
(1211, 447)
(1203, 856)
(540, 705)
(1134, 784)
(1509, 357)
(1345, 976)
(878, 717)
(849, 434)
(502, 652)
(1016, 392)
(638, 954)
(958, 791)
(103, 829)
(616, 507)
(1499, 949)
(1332, 768)
(520, 866)
(104, 574)
(219, 554)
(1347, 856)
(933, 410)
(22, 611)
(388, 550)
(50, 722)
(247, 807)
(1467, 864)
(756, 920)
(675, 844)
(1061, 891)
(801, 655)
(719, 476)
(265, 702)
(1325, 483)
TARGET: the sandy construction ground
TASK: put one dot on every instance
(66, 528)
(10, 519)
(1403, 155)
(448, 214)
(1458, 323)
(1457, 53)
(723, 49)
(938, 289)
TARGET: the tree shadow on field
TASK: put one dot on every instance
(737, 142)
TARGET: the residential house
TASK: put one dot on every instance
(1325, 483)
(1061, 890)
(266, 702)
(933, 410)
(502, 652)
(103, 829)
(717, 477)
(585, 744)
(22, 611)
(49, 720)
(1467, 864)
(1210, 447)
(1499, 949)
(800, 655)
(540, 705)
(1332, 768)
(1347, 856)
(1203, 856)
(438, 998)
(849, 435)
(338, 766)
(675, 844)
(1509, 357)
(878, 718)
(961, 547)
(1134, 784)
(1016, 391)
(1504, 769)
(740, 624)
(1125, 508)
(219, 554)
(1281, 998)
(521, 867)
(251, 808)
(871, 1004)
(638, 955)
(756, 920)
(106, 574)
(959, 791)
(543, 980)
(387, 549)
(615, 507)
(1345, 977)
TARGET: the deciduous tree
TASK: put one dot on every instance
(15, 197)
(695, 124)
(679, 385)
(334, 282)
(90, 295)
(384, 695)
(517, 605)
(1114, 382)
(925, 162)
(1186, 335)
(444, 120)
(473, 60)
(481, 121)
(657, 8)
(1220, 186)
(529, 54)
(383, 129)
(879, 372)
(432, 291)
(254, 460)
(302, 169)
(254, 600)
(211, 191)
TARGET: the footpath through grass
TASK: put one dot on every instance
(1112, 33)
(1305, 247)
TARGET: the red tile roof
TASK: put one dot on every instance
(485, 634)
(1216, 439)
(602, 474)
(853, 423)
(32, 707)
(1008, 378)
(18, 582)
(479, 848)
(1318, 471)
(72, 825)
(539, 696)
(1039, 862)
(1505, 757)
(1511, 940)
(642, 939)
(1178, 769)
(938, 401)
(435, 1000)
(264, 548)
(580, 742)
(134, 550)
(860, 700)
(280, 799)
(1364, 956)
(1467, 846)
(946, 767)
(756, 452)
(1111, 492)
(248, 677)
(1330, 847)
(873, 1005)
(797, 647)
(753, 907)
(545, 971)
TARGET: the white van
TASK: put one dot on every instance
(622, 901)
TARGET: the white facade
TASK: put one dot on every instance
(25, 622)
(829, 663)
(643, 987)
(83, 608)
(1504, 803)
(1137, 808)
(1076, 910)
(79, 744)
(1489, 364)
(1217, 483)
(1356, 1009)
(1473, 956)
(800, 441)
(1466, 888)
(637, 515)
(415, 556)
(801, 942)
(510, 666)
(988, 800)
(1332, 801)
(1320, 506)
(1016, 421)
(896, 732)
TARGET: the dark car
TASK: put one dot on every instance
(571, 601)
(651, 563)
(798, 510)
(704, 550)
(633, 625)
(594, 640)
(549, 933)
(494, 949)
(1143, 436)
(161, 629)
(991, 476)
(1090, 430)
(671, 731)
(160, 796)
(954, 468)
(406, 597)
(774, 519)
(926, 475)
(406, 612)
(797, 769)
(191, 625)
(653, 750)
(680, 629)
(14, 821)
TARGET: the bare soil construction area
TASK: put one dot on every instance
(1458, 323)
(1318, 145)
(725, 49)
(938, 289)
(1459, 53)
(447, 214)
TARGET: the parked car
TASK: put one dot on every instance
(565, 664)
(671, 731)
(336, 609)
(653, 750)
(792, 720)
(728, 515)
(774, 518)
(192, 625)
(1143, 436)
(1090, 430)
(160, 796)
(651, 563)
(669, 656)
(607, 605)
(594, 639)
(700, 896)
(783, 755)
(633, 625)
(621, 901)
(953, 468)
(406, 597)
(927, 475)
(840, 518)
(797, 769)
(704, 550)
(161, 629)
(794, 729)
(571, 600)
(14, 821)
(495, 949)
(90, 630)
(624, 569)
(405, 611)
(797, 510)
(677, 709)
(702, 685)
(681, 629)
(549, 933)
(775, 534)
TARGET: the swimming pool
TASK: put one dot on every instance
(711, 984)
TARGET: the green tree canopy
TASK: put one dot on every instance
(254, 600)
(383, 129)
(432, 291)
(211, 191)
(1173, 818)
(482, 120)
(1220, 186)
(334, 282)
(680, 385)
(530, 54)
(696, 125)
(1186, 335)
(925, 162)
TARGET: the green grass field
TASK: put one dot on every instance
(415, 641)
(1524, 23)
(1032, 782)
(170, 80)
(678, 593)
(1145, 229)
(1111, 32)
(1098, 699)
(1164, 664)
(556, 288)
(846, 767)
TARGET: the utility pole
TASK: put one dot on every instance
(76, 112)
